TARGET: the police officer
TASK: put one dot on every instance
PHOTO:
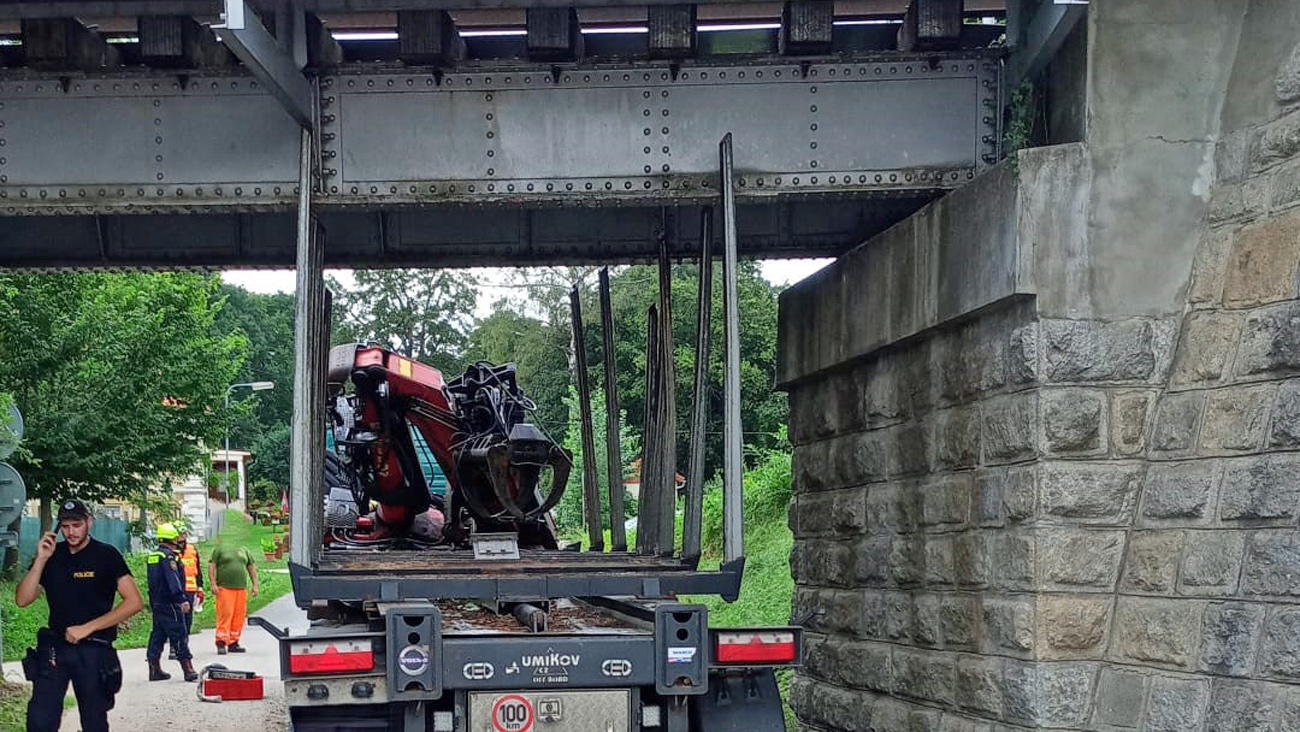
(190, 564)
(168, 602)
(80, 577)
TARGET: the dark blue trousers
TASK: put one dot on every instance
(168, 627)
(81, 665)
(189, 618)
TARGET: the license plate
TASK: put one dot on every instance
(551, 711)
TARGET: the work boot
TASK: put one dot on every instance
(221, 648)
(188, 667)
(156, 673)
(236, 648)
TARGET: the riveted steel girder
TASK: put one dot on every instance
(885, 132)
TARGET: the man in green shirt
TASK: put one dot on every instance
(230, 570)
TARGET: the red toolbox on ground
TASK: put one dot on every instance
(231, 685)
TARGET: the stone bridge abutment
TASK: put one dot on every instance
(1047, 430)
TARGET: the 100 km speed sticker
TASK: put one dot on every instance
(512, 713)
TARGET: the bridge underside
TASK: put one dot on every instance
(439, 150)
(513, 163)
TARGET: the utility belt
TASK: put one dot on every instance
(42, 661)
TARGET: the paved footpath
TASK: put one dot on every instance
(145, 706)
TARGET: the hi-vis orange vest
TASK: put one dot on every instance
(190, 561)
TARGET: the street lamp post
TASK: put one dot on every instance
(255, 386)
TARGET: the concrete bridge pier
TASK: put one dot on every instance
(1047, 429)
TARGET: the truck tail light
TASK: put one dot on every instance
(759, 646)
(331, 656)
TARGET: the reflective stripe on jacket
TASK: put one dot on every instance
(166, 586)
(190, 562)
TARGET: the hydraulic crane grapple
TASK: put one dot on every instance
(476, 428)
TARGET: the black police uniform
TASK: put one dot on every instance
(79, 588)
(166, 593)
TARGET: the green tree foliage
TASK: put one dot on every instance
(535, 332)
(568, 514)
(266, 321)
(424, 314)
(259, 420)
(120, 378)
(767, 489)
(634, 290)
(271, 456)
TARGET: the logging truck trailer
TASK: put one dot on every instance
(487, 621)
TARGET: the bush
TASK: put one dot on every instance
(264, 492)
(767, 491)
(568, 514)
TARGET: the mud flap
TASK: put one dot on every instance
(745, 700)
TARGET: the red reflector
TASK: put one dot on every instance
(755, 648)
(330, 661)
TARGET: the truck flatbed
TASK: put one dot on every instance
(564, 618)
(439, 562)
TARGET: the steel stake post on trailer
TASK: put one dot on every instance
(733, 541)
(666, 447)
(691, 521)
(590, 489)
(647, 514)
(613, 433)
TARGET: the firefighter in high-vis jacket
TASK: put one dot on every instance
(169, 604)
(191, 566)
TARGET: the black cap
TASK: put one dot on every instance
(73, 509)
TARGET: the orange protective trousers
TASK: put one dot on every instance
(232, 606)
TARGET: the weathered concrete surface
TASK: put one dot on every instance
(953, 257)
(1056, 487)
